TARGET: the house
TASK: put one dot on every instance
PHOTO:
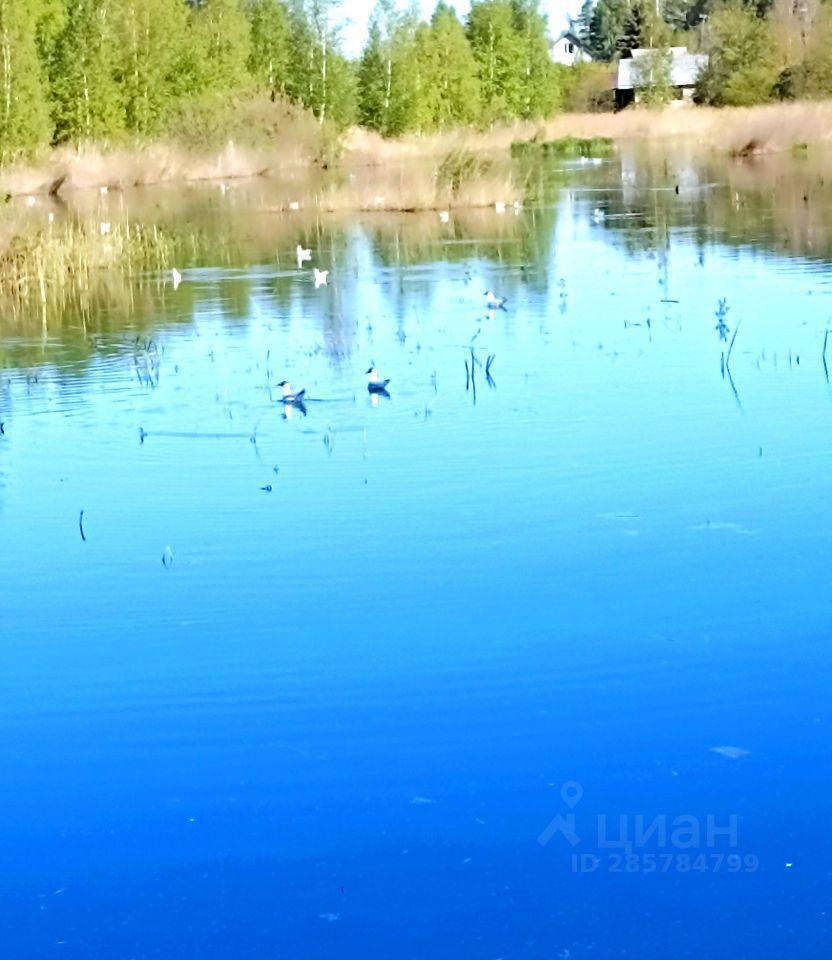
(684, 71)
(568, 49)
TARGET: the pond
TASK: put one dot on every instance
(527, 659)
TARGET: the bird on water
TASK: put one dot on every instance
(374, 383)
(494, 302)
(289, 396)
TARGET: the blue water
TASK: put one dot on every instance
(338, 718)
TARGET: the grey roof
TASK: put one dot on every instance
(572, 37)
(684, 67)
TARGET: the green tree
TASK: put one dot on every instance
(743, 67)
(450, 78)
(643, 27)
(219, 46)
(373, 85)
(49, 18)
(684, 14)
(812, 77)
(651, 77)
(86, 98)
(498, 51)
(388, 74)
(150, 35)
(539, 91)
(269, 58)
(320, 77)
(24, 111)
(413, 82)
(606, 28)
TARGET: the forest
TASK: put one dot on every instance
(101, 71)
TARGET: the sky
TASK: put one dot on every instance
(357, 14)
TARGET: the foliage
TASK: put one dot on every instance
(24, 111)
(269, 59)
(567, 148)
(87, 101)
(150, 35)
(586, 88)
(497, 48)
(460, 167)
(651, 78)
(97, 70)
(388, 75)
(812, 78)
(604, 25)
(319, 76)
(538, 93)
(743, 67)
(451, 85)
(221, 45)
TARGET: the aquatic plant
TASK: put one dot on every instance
(68, 263)
(565, 147)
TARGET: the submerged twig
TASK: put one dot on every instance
(731, 347)
(488, 378)
(81, 526)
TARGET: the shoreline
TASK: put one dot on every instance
(733, 131)
(728, 131)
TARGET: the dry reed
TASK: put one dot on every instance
(729, 130)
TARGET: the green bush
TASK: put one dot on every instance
(743, 68)
(587, 88)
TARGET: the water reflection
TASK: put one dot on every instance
(344, 689)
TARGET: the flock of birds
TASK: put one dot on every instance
(304, 254)
(376, 385)
(499, 207)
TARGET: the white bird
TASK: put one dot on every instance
(303, 255)
(517, 207)
(103, 190)
(598, 215)
(294, 205)
(223, 189)
(494, 302)
(444, 216)
(290, 397)
(103, 228)
(176, 278)
(320, 277)
(51, 218)
(378, 201)
(374, 383)
(30, 201)
(500, 206)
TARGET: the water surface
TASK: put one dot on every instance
(314, 686)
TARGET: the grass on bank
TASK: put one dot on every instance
(210, 137)
(65, 264)
(730, 131)
(213, 137)
(459, 179)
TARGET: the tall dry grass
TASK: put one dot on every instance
(729, 130)
(205, 140)
(42, 272)
(423, 185)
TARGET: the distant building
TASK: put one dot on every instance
(568, 49)
(684, 71)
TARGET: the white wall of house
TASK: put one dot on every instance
(566, 52)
